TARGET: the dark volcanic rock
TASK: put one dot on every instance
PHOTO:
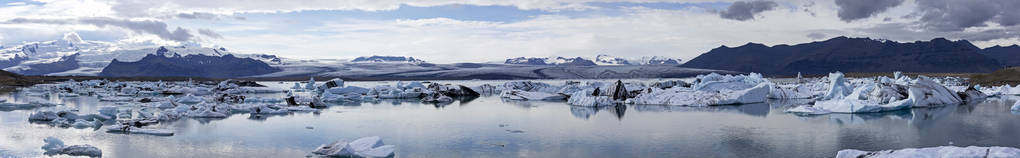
(226, 66)
(849, 55)
(1007, 56)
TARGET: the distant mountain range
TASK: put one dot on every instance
(194, 65)
(72, 56)
(851, 55)
(597, 61)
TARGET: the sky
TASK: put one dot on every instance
(450, 31)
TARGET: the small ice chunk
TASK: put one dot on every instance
(807, 110)
(189, 99)
(363, 147)
(55, 146)
(1016, 107)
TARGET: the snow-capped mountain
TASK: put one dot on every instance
(598, 60)
(610, 60)
(578, 61)
(387, 59)
(71, 55)
(658, 60)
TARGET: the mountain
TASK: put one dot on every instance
(91, 56)
(194, 65)
(1008, 56)
(849, 55)
(599, 60)
(610, 60)
(387, 59)
(658, 60)
(65, 63)
(578, 61)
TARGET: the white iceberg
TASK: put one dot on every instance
(688, 97)
(585, 98)
(860, 101)
(1016, 107)
(189, 99)
(363, 147)
(941, 151)
(55, 146)
(838, 87)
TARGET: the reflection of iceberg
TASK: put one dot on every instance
(756, 109)
(584, 112)
(924, 116)
(842, 118)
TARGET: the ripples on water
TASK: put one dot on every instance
(492, 127)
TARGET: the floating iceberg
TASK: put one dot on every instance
(1016, 107)
(55, 146)
(838, 87)
(189, 99)
(587, 98)
(68, 119)
(941, 151)
(688, 97)
(363, 147)
(927, 93)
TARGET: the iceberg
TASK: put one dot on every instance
(587, 98)
(807, 110)
(189, 99)
(362, 147)
(55, 146)
(838, 87)
(862, 100)
(688, 97)
(927, 93)
(940, 151)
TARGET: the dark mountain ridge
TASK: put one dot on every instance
(849, 55)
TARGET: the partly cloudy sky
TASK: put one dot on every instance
(447, 31)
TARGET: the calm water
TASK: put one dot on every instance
(536, 129)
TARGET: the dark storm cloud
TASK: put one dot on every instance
(850, 10)
(956, 15)
(745, 10)
(153, 27)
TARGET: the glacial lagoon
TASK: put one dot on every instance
(490, 126)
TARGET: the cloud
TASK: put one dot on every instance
(209, 33)
(207, 16)
(850, 10)
(956, 15)
(746, 10)
(153, 27)
(816, 35)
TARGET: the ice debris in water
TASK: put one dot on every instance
(362, 147)
(884, 94)
(940, 151)
(55, 146)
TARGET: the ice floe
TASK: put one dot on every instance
(55, 146)
(362, 147)
(940, 151)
